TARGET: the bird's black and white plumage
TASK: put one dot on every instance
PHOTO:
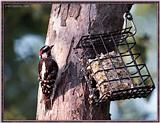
(47, 69)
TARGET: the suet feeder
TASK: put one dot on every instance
(113, 69)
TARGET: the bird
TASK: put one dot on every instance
(47, 75)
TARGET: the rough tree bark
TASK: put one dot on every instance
(68, 22)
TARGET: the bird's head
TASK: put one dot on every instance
(45, 51)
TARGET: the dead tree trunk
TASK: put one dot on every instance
(68, 22)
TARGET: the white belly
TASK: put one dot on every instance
(43, 70)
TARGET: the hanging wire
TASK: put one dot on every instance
(128, 19)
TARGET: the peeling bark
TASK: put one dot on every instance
(64, 14)
(74, 10)
(68, 22)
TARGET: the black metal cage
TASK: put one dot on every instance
(112, 66)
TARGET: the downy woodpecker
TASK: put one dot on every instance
(47, 70)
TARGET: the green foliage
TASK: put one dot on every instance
(13, 114)
(142, 45)
(146, 9)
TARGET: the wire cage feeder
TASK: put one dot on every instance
(112, 67)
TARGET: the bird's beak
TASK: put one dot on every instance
(51, 46)
(40, 53)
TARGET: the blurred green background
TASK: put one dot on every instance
(25, 28)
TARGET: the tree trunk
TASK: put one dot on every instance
(68, 22)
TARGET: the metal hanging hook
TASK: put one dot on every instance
(129, 19)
